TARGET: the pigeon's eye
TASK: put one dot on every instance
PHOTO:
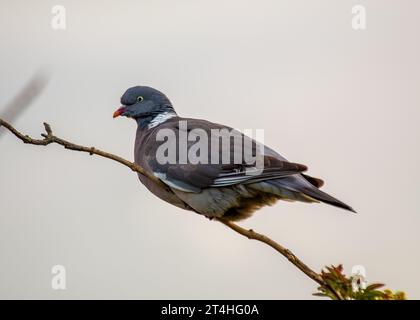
(140, 99)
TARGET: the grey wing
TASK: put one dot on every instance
(227, 171)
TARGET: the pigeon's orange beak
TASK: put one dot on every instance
(119, 112)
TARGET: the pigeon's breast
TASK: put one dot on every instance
(139, 158)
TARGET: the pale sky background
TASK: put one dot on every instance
(343, 102)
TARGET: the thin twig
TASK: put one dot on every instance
(50, 138)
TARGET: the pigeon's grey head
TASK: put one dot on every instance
(143, 104)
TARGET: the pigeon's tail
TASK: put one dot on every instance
(324, 197)
(299, 187)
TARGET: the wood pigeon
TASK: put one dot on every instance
(219, 189)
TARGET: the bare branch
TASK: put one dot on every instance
(50, 138)
(251, 234)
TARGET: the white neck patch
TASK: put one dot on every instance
(161, 118)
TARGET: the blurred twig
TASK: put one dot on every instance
(25, 97)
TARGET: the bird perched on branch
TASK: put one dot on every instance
(206, 177)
